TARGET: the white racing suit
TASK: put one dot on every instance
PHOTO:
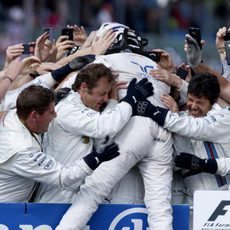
(22, 163)
(142, 143)
(205, 137)
(208, 137)
(9, 101)
(70, 136)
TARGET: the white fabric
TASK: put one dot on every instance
(142, 143)
(22, 163)
(9, 101)
(213, 127)
(208, 132)
(148, 146)
(223, 166)
(66, 139)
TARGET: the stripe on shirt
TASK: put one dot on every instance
(212, 154)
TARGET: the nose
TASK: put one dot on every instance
(193, 105)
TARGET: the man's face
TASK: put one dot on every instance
(98, 96)
(198, 107)
(44, 120)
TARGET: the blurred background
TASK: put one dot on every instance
(163, 22)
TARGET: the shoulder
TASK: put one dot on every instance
(13, 138)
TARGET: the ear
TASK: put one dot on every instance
(33, 116)
(83, 87)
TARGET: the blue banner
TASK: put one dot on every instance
(36, 216)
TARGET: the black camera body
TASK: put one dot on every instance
(67, 32)
(182, 73)
(195, 33)
(28, 48)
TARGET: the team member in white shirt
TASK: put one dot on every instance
(23, 162)
(70, 136)
(142, 143)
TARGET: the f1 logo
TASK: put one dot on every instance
(220, 211)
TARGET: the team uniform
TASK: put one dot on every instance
(143, 144)
(70, 136)
(206, 137)
(23, 162)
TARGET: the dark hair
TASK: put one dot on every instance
(91, 74)
(204, 85)
(33, 98)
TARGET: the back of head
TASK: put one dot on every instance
(34, 98)
(90, 75)
(125, 38)
(204, 85)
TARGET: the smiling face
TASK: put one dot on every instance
(198, 106)
(96, 97)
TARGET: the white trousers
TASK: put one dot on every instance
(143, 143)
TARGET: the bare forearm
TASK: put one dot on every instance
(5, 82)
(71, 57)
(224, 84)
(21, 80)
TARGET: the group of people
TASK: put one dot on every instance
(101, 119)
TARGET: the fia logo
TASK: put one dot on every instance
(136, 218)
(221, 210)
(215, 221)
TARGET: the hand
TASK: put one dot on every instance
(170, 103)
(94, 159)
(167, 77)
(89, 40)
(220, 42)
(116, 86)
(79, 35)
(101, 44)
(166, 61)
(43, 47)
(63, 45)
(80, 62)
(29, 65)
(193, 51)
(196, 164)
(138, 91)
(146, 109)
(13, 52)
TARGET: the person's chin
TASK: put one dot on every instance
(196, 114)
(97, 108)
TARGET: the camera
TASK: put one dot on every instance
(195, 33)
(28, 48)
(68, 32)
(227, 36)
(182, 73)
